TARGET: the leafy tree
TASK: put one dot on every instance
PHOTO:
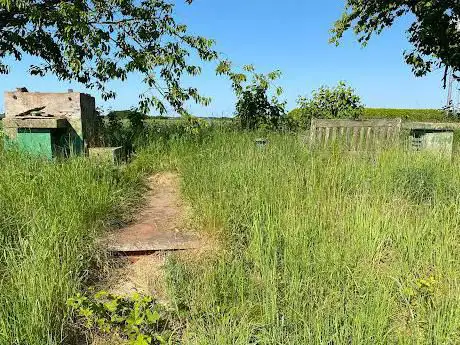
(340, 101)
(95, 41)
(258, 104)
(434, 33)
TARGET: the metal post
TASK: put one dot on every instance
(450, 83)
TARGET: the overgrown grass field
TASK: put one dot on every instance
(51, 214)
(318, 247)
(321, 247)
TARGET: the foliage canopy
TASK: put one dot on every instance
(340, 101)
(258, 105)
(434, 33)
(95, 41)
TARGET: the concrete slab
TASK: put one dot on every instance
(144, 238)
(160, 225)
(35, 122)
(106, 154)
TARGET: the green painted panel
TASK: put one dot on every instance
(35, 141)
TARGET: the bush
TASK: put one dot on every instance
(255, 111)
(127, 130)
(126, 114)
(340, 101)
(258, 105)
(299, 118)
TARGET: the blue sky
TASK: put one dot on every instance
(290, 35)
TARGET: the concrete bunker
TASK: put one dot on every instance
(50, 124)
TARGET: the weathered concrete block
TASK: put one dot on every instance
(106, 154)
(28, 122)
(69, 105)
(438, 141)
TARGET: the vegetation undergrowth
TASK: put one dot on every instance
(422, 115)
(319, 247)
(51, 213)
(137, 319)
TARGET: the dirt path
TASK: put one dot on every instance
(161, 223)
(161, 227)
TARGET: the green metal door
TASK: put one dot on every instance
(35, 141)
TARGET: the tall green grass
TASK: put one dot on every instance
(51, 214)
(317, 247)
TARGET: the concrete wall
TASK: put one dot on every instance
(88, 118)
(55, 104)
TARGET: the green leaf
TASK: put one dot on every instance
(152, 317)
(111, 306)
(142, 340)
(160, 339)
(84, 41)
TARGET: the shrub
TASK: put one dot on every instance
(299, 118)
(255, 111)
(258, 105)
(194, 125)
(340, 101)
(126, 114)
(127, 130)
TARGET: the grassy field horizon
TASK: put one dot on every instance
(414, 114)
